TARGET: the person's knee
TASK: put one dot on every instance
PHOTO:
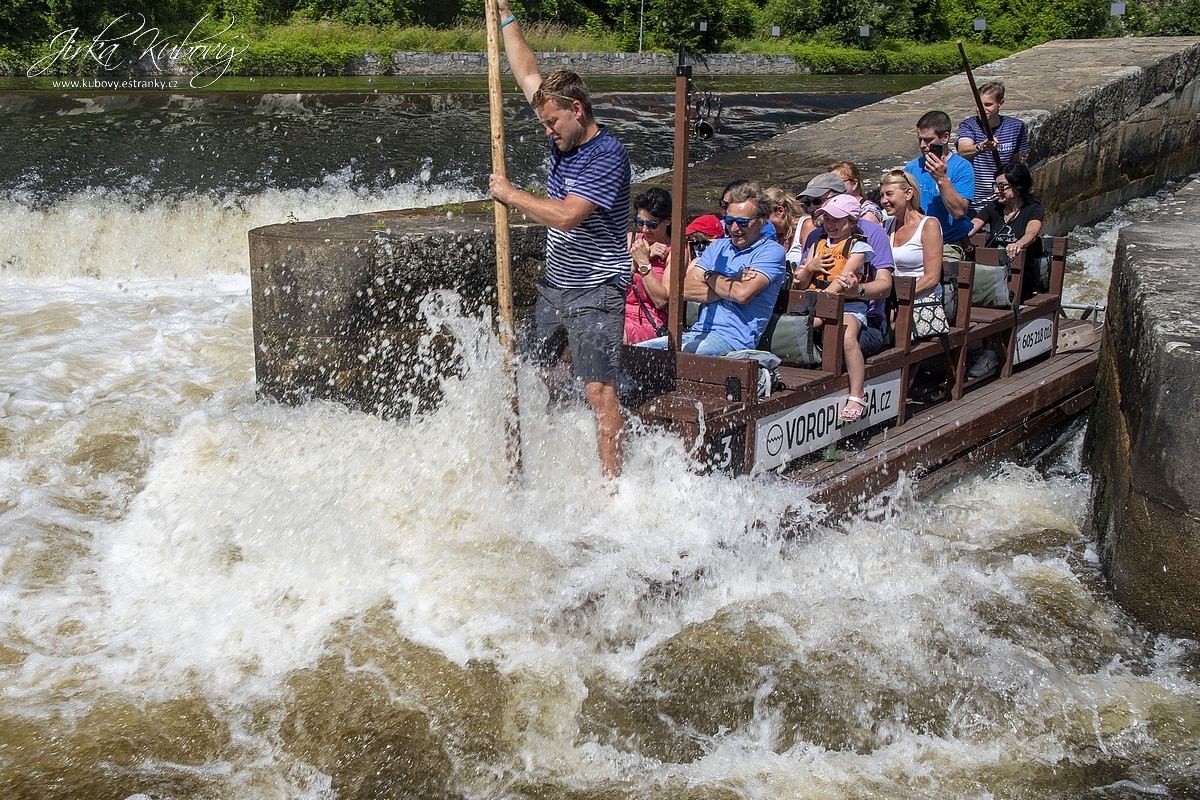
(850, 338)
(603, 396)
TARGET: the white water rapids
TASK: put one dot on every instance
(205, 596)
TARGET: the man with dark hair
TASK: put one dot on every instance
(581, 300)
(736, 279)
(946, 179)
(1009, 140)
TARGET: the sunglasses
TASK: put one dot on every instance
(741, 222)
(647, 223)
(1000, 187)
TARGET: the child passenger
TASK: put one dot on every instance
(840, 253)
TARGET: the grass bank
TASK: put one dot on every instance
(305, 48)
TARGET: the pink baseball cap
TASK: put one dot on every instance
(841, 206)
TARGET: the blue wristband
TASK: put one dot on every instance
(511, 18)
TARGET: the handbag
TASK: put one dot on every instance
(659, 330)
(929, 317)
(790, 336)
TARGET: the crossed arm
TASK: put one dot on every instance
(709, 287)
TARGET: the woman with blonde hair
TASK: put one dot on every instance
(849, 173)
(786, 215)
(916, 238)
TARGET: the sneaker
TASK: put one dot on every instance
(986, 362)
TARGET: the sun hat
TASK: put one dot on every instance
(841, 206)
(708, 224)
(828, 182)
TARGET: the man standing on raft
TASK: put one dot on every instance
(581, 300)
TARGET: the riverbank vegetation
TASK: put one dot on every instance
(311, 37)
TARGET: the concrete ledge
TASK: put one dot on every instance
(1142, 443)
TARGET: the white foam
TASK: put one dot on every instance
(113, 235)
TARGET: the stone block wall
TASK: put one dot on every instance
(1142, 444)
(337, 302)
(1120, 139)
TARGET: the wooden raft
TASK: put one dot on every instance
(1036, 384)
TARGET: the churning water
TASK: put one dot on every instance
(205, 596)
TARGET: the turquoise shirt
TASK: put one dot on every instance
(962, 177)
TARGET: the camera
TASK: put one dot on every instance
(696, 248)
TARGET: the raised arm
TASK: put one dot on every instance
(955, 197)
(520, 58)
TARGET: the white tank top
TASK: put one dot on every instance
(910, 256)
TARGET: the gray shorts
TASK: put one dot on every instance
(589, 321)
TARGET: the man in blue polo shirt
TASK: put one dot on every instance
(581, 300)
(736, 279)
(946, 179)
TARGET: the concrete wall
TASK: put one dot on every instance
(337, 302)
(1142, 444)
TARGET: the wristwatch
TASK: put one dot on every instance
(862, 291)
(708, 273)
(643, 269)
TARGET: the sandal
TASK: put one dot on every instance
(852, 414)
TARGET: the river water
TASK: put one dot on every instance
(205, 596)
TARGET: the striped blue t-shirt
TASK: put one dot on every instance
(1011, 139)
(594, 253)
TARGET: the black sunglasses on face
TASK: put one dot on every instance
(649, 223)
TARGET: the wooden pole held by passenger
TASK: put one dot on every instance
(983, 120)
(504, 292)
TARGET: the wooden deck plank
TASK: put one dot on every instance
(927, 440)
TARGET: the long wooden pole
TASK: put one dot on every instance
(504, 291)
(679, 249)
(983, 120)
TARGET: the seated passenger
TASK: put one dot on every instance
(729, 187)
(736, 280)
(818, 190)
(701, 232)
(646, 297)
(916, 239)
(849, 174)
(787, 215)
(876, 286)
(1014, 222)
(946, 180)
(836, 263)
